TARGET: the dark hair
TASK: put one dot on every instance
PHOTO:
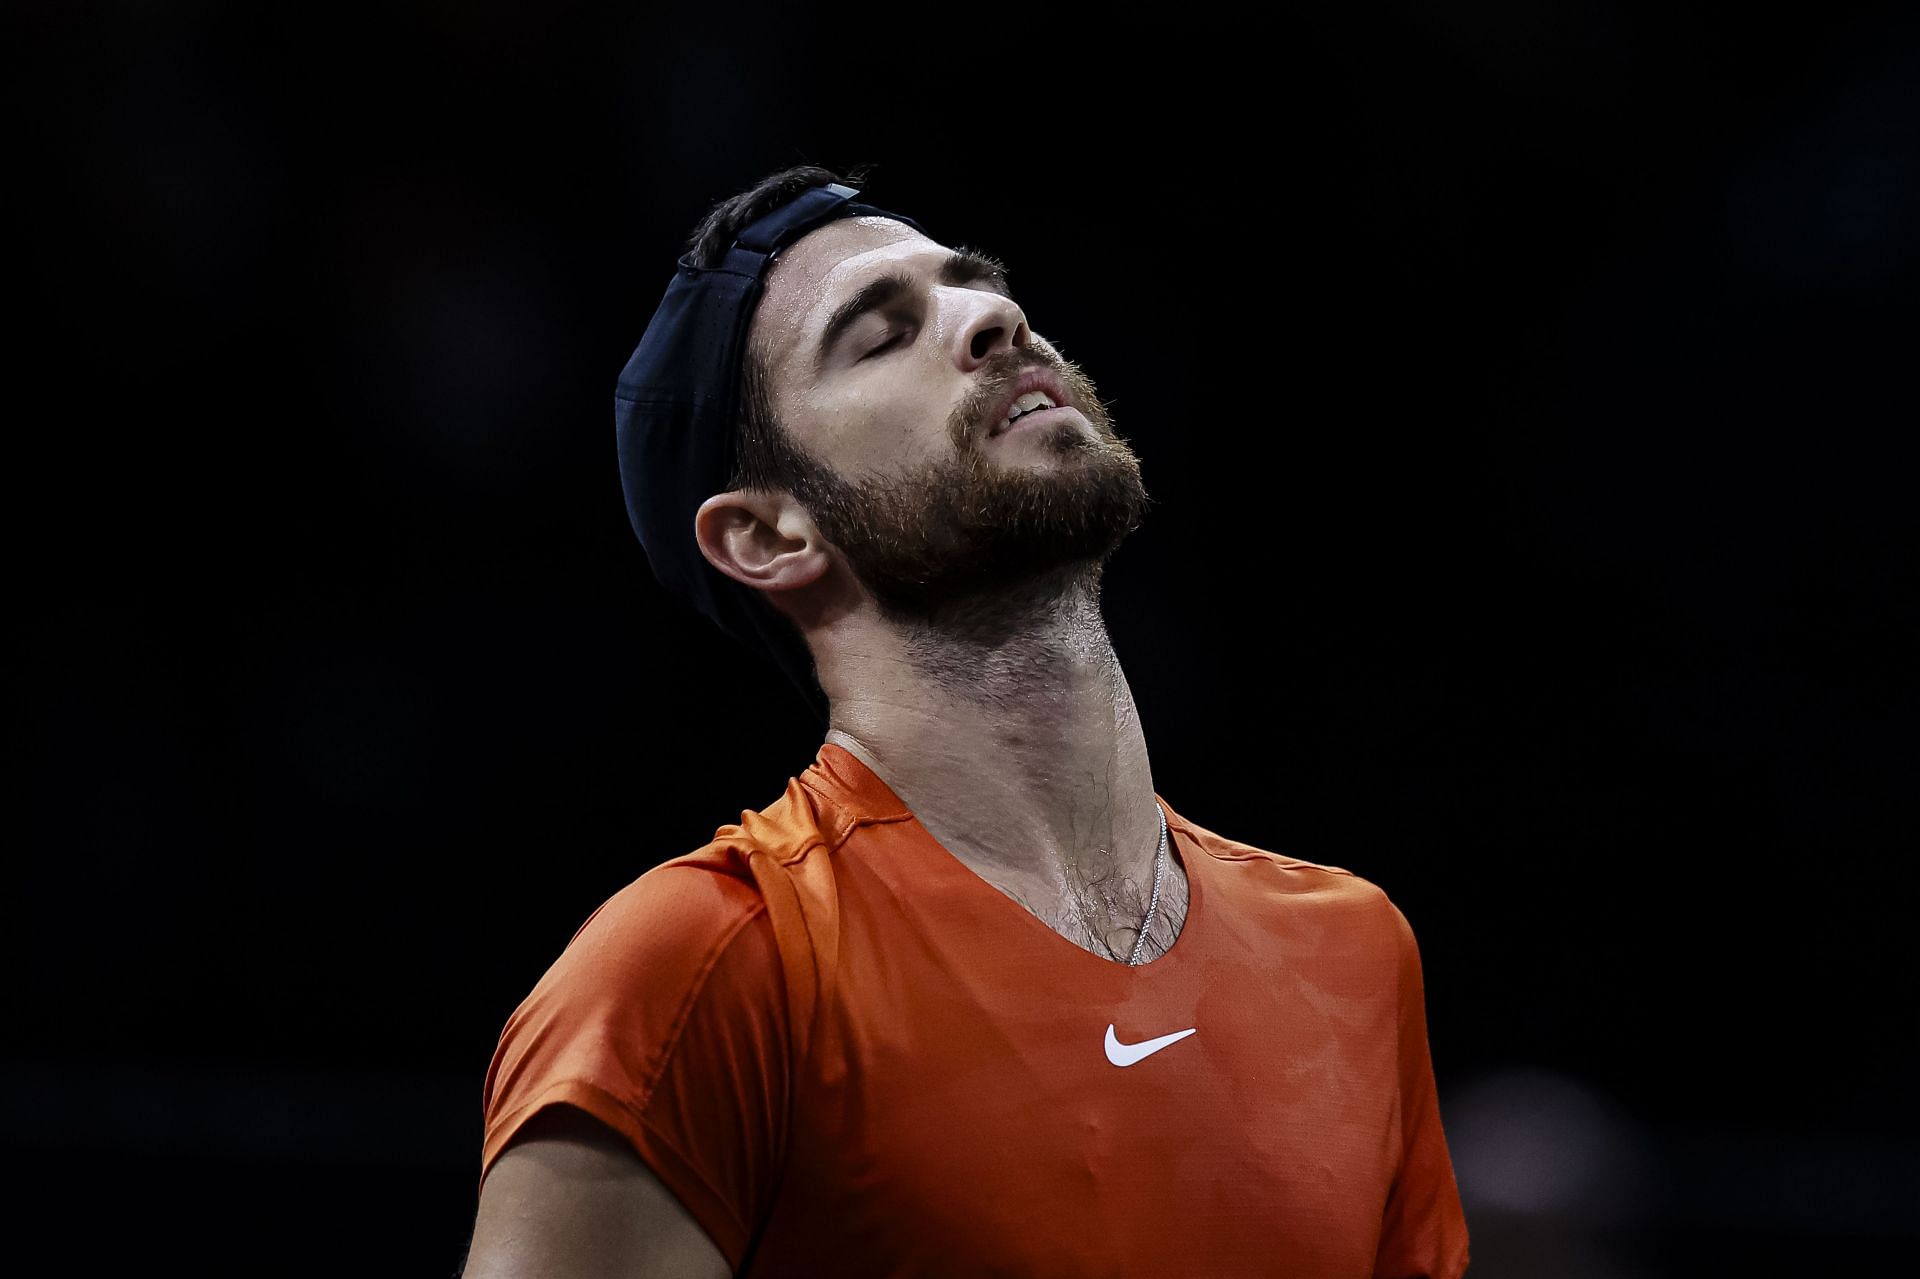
(763, 457)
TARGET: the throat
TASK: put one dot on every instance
(1015, 645)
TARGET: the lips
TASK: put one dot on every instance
(1035, 420)
(1034, 379)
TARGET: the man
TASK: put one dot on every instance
(970, 998)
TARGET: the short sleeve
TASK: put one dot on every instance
(1424, 1231)
(664, 1018)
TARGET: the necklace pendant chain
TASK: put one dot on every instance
(1159, 872)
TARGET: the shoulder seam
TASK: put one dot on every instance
(830, 795)
(694, 990)
(1280, 860)
(1209, 842)
(844, 825)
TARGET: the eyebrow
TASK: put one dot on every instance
(962, 266)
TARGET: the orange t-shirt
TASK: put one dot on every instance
(847, 1053)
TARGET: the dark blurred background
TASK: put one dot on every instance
(1527, 391)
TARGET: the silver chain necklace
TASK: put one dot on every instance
(1159, 871)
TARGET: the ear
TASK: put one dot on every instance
(763, 540)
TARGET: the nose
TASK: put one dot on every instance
(990, 323)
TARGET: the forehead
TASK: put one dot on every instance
(822, 267)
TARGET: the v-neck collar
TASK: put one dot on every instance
(867, 799)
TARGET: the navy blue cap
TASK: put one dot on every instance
(674, 412)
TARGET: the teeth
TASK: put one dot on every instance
(1026, 404)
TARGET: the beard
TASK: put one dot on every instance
(964, 543)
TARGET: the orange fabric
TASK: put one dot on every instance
(847, 1053)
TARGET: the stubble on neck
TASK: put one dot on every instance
(1015, 651)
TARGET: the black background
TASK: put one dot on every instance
(1526, 396)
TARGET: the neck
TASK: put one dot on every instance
(1009, 730)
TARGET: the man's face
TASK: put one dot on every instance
(898, 411)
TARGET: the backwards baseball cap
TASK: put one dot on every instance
(675, 411)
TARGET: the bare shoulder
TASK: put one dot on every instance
(569, 1196)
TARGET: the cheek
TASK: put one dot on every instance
(886, 427)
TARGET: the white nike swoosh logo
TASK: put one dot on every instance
(1126, 1054)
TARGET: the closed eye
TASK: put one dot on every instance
(892, 341)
